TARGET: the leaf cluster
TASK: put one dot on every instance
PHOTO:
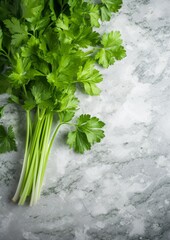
(7, 137)
(44, 55)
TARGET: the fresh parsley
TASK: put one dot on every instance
(47, 49)
(7, 139)
(87, 132)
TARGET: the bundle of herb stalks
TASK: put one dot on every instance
(48, 48)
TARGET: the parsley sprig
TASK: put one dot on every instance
(44, 57)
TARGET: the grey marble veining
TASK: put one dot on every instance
(120, 190)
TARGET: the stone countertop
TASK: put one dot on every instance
(120, 190)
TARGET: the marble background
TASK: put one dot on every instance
(120, 190)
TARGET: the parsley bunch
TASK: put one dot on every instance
(47, 49)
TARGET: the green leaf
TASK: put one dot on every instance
(88, 130)
(94, 15)
(52, 9)
(30, 49)
(9, 8)
(4, 10)
(111, 49)
(62, 22)
(42, 23)
(7, 139)
(21, 72)
(78, 141)
(113, 5)
(19, 31)
(29, 103)
(67, 105)
(105, 13)
(31, 10)
(14, 99)
(41, 93)
(65, 75)
(89, 76)
(1, 111)
(1, 38)
(4, 84)
(68, 102)
(105, 58)
(91, 89)
(74, 3)
(85, 36)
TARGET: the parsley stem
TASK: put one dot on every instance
(31, 166)
(5, 54)
(16, 196)
(44, 149)
(36, 156)
(44, 163)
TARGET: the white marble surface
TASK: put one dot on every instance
(120, 190)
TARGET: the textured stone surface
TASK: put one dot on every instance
(120, 190)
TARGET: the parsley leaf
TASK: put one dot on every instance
(111, 49)
(88, 130)
(9, 9)
(74, 3)
(65, 74)
(89, 76)
(67, 105)
(105, 13)
(84, 37)
(113, 6)
(1, 38)
(19, 75)
(19, 31)
(41, 93)
(31, 10)
(1, 111)
(4, 84)
(7, 139)
(62, 22)
(94, 15)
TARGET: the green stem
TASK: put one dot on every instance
(37, 150)
(44, 151)
(46, 159)
(5, 54)
(35, 170)
(29, 176)
(34, 139)
(17, 193)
